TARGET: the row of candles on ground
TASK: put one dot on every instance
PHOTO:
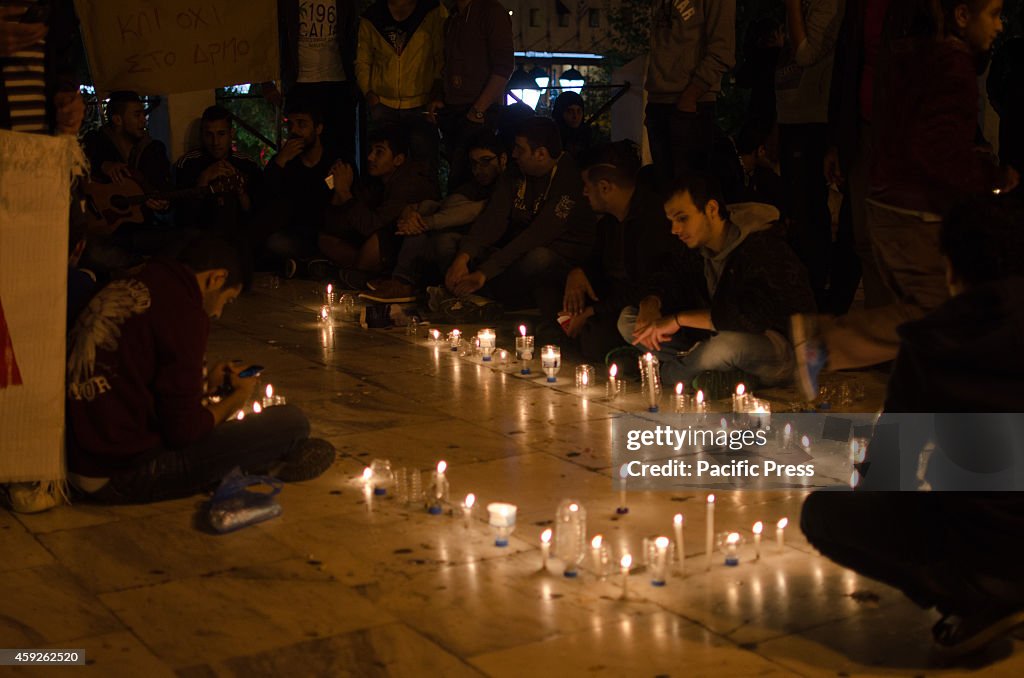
(269, 399)
(570, 534)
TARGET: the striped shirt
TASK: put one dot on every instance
(23, 74)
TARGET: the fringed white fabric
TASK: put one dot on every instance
(35, 193)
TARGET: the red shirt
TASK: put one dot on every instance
(135, 370)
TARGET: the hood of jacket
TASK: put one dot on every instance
(744, 218)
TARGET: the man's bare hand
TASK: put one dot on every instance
(456, 272)
(70, 108)
(469, 283)
(577, 292)
(344, 175)
(16, 36)
(290, 150)
(412, 225)
(116, 171)
(221, 168)
(648, 313)
(577, 321)
(656, 333)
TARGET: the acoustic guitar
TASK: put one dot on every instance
(107, 206)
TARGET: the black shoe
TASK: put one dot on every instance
(375, 316)
(352, 279)
(309, 461)
(290, 267)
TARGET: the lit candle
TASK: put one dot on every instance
(440, 489)
(524, 349)
(268, 401)
(732, 541)
(625, 564)
(739, 399)
(661, 562)
(709, 534)
(650, 367)
(329, 297)
(677, 523)
(613, 382)
(522, 330)
(595, 552)
(780, 532)
(502, 357)
(787, 435)
(545, 549)
(758, 529)
(700, 407)
(487, 343)
(240, 416)
(503, 520)
(805, 442)
(368, 488)
(680, 398)
(551, 361)
(467, 509)
(622, 509)
(455, 339)
(584, 377)
(435, 335)
(256, 407)
(325, 314)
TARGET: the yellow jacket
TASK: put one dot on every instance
(408, 79)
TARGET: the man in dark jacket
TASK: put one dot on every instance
(633, 241)
(143, 424)
(952, 550)
(536, 226)
(733, 300)
(318, 49)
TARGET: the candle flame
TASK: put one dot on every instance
(586, 378)
(441, 466)
(324, 312)
(678, 519)
(240, 416)
(522, 330)
(435, 333)
(613, 371)
(648, 357)
(740, 389)
(679, 388)
(456, 333)
(256, 408)
(626, 562)
(724, 423)
(788, 430)
(711, 499)
(758, 527)
(782, 523)
(733, 538)
(330, 288)
(805, 441)
(700, 397)
(270, 390)
(470, 500)
(574, 507)
(367, 474)
(595, 543)
(661, 542)
(545, 536)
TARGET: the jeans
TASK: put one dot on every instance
(425, 257)
(768, 356)
(680, 142)
(255, 444)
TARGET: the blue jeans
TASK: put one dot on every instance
(768, 356)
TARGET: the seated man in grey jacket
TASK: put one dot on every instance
(430, 230)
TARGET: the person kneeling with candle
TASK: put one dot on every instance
(138, 429)
(731, 304)
(959, 551)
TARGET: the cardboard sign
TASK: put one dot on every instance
(168, 46)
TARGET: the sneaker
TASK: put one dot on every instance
(290, 267)
(436, 295)
(375, 316)
(375, 284)
(309, 461)
(322, 269)
(810, 353)
(390, 291)
(35, 497)
(958, 635)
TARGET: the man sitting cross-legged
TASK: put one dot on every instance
(634, 239)
(536, 226)
(432, 230)
(139, 430)
(730, 305)
(360, 225)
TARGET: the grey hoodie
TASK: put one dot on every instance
(744, 218)
(690, 39)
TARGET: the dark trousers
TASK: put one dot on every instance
(680, 142)
(600, 334)
(535, 279)
(256, 445)
(337, 101)
(802, 158)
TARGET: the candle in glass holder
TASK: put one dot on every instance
(699, 406)
(524, 349)
(709, 534)
(624, 565)
(467, 509)
(324, 315)
(455, 339)
(487, 343)
(739, 398)
(730, 542)
(614, 385)
(622, 509)
(438, 489)
(660, 562)
(256, 407)
(368, 487)
(329, 295)
(240, 416)
(780, 532)
(680, 400)
(805, 443)
(545, 549)
(677, 524)
(758, 529)
(584, 377)
(551, 361)
(787, 435)
(503, 520)
(649, 367)
(435, 336)
(595, 554)
(502, 357)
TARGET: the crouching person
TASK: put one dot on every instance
(138, 428)
(726, 309)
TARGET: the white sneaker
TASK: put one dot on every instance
(36, 497)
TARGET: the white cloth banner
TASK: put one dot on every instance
(35, 194)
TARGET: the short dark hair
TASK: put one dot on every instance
(118, 101)
(617, 162)
(541, 133)
(209, 252)
(983, 239)
(703, 189)
(395, 136)
(487, 140)
(304, 105)
(751, 137)
(216, 114)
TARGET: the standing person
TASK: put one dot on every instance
(318, 48)
(398, 68)
(478, 60)
(802, 84)
(693, 44)
(924, 121)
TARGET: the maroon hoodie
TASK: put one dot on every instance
(135, 370)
